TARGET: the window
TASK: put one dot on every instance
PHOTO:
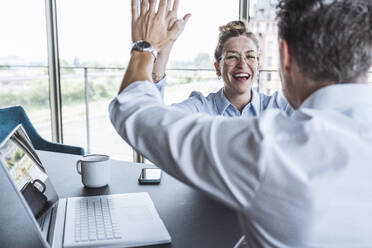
(269, 61)
(94, 46)
(23, 61)
(195, 49)
(264, 11)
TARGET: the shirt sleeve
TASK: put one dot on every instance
(190, 105)
(161, 84)
(193, 104)
(220, 156)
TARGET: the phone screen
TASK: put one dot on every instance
(150, 176)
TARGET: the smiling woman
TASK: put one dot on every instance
(238, 67)
(236, 61)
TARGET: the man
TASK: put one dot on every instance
(299, 181)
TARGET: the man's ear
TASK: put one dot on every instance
(286, 56)
(217, 67)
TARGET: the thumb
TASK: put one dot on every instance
(186, 18)
(179, 26)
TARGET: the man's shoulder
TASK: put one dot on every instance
(276, 96)
(276, 100)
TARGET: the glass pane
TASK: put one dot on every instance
(103, 85)
(23, 61)
(95, 34)
(94, 38)
(264, 25)
(191, 61)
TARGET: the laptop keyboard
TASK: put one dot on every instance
(94, 220)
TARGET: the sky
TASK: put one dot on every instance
(99, 30)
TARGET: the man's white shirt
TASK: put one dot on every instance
(296, 181)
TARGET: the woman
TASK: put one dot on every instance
(236, 62)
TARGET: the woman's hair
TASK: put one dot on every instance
(233, 29)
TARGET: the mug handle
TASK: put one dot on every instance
(41, 183)
(78, 168)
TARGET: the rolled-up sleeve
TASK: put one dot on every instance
(220, 156)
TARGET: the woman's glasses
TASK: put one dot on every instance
(233, 58)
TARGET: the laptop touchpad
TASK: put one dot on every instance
(134, 213)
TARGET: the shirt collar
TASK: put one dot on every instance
(223, 103)
(339, 95)
(255, 102)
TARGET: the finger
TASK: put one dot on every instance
(179, 26)
(176, 4)
(162, 7)
(134, 10)
(169, 5)
(186, 18)
(152, 5)
(144, 4)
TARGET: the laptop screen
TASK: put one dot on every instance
(26, 171)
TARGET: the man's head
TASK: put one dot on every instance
(329, 41)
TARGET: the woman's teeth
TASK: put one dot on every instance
(242, 76)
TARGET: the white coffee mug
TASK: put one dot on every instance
(94, 170)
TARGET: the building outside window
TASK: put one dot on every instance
(263, 11)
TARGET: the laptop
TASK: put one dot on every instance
(118, 220)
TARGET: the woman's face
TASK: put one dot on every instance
(239, 65)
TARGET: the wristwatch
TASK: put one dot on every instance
(144, 46)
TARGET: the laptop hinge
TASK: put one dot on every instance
(57, 224)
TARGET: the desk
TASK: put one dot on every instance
(192, 219)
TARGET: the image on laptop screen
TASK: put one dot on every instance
(27, 172)
(20, 166)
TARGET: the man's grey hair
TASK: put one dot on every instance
(331, 41)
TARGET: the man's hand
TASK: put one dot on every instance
(158, 71)
(159, 28)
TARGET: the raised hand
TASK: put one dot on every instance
(160, 28)
(160, 65)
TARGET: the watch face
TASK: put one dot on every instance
(144, 44)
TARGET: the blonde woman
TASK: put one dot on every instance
(236, 62)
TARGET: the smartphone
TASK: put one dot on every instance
(150, 176)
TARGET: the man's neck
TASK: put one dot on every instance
(307, 87)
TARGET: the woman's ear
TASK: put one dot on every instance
(217, 67)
